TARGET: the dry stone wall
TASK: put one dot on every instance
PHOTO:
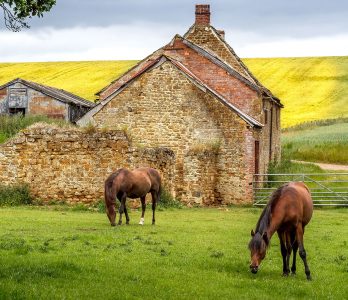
(71, 164)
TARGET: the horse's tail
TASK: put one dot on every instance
(159, 192)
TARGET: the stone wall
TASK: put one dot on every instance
(72, 164)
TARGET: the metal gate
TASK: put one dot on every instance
(327, 189)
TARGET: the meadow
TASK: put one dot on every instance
(326, 143)
(57, 253)
(311, 88)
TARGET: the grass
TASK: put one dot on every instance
(189, 254)
(311, 88)
(11, 125)
(327, 144)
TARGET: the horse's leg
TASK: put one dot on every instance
(122, 207)
(302, 251)
(294, 248)
(288, 249)
(143, 207)
(154, 195)
(126, 213)
(281, 236)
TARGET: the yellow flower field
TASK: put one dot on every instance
(312, 88)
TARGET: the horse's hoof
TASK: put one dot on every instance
(119, 223)
(293, 273)
(153, 223)
(309, 278)
(285, 274)
(113, 224)
(127, 223)
(141, 222)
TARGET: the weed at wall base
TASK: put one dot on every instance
(168, 201)
(15, 195)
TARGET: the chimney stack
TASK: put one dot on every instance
(202, 14)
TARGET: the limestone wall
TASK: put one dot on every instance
(71, 164)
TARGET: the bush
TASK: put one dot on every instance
(15, 195)
(167, 200)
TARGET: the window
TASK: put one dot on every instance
(17, 111)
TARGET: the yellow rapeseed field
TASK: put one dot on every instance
(83, 78)
(311, 88)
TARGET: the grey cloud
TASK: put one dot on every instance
(269, 17)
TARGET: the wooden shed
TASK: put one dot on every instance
(31, 98)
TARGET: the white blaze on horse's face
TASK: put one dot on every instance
(141, 221)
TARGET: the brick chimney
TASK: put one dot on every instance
(202, 14)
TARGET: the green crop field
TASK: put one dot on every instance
(310, 88)
(189, 254)
(326, 144)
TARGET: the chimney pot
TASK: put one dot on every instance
(202, 14)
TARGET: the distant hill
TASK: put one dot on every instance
(312, 88)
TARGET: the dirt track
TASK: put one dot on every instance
(331, 167)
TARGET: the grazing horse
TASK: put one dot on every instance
(133, 184)
(288, 212)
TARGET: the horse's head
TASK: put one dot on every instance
(258, 246)
(111, 213)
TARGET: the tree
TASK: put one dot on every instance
(17, 11)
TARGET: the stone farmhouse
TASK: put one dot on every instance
(30, 98)
(196, 97)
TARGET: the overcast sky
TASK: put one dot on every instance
(132, 29)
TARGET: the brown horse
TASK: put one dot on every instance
(288, 212)
(133, 184)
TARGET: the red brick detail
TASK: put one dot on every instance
(228, 86)
(202, 14)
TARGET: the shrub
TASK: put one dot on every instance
(167, 200)
(15, 195)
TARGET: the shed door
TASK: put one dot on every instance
(18, 98)
(257, 157)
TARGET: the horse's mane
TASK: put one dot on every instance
(265, 218)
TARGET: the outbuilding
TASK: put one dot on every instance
(25, 97)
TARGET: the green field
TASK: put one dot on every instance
(327, 144)
(310, 88)
(189, 254)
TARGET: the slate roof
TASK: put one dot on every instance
(55, 93)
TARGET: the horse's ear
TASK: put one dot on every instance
(265, 237)
(252, 232)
